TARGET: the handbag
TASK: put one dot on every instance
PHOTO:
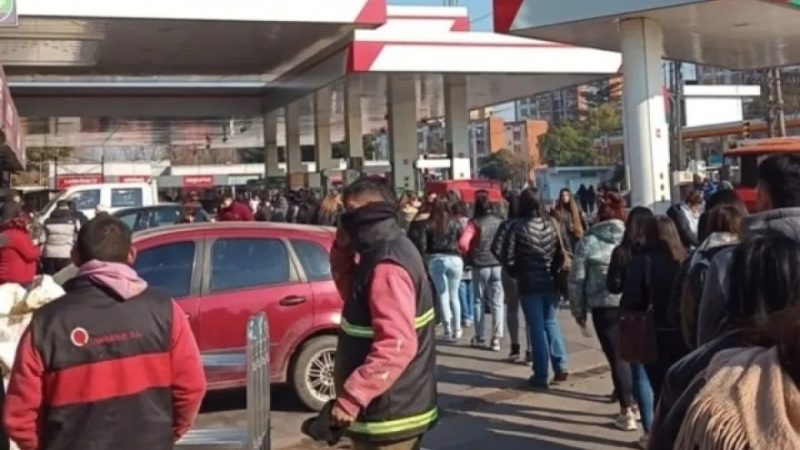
(637, 330)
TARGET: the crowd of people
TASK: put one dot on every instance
(292, 206)
(695, 310)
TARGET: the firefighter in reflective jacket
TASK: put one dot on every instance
(385, 360)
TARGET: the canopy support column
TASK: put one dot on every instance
(646, 134)
(402, 106)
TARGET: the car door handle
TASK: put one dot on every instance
(292, 300)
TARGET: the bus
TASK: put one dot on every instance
(741, 164)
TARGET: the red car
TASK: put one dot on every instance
(223, 273)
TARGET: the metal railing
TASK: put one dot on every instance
(256, 363)
(258, 391)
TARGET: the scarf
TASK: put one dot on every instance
(748, 403)
(120, 278)
(359, 223)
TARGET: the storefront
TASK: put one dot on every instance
(12, 146)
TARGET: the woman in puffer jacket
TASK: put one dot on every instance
(533, 255)
(589, 291)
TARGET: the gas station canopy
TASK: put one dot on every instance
(262, 39)
(738, 34)
(423, 42)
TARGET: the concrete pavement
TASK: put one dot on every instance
(485, 404)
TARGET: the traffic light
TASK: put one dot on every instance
(746, 130)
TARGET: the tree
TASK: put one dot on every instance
(601, 93)
(567, 145)
(573, 143)
(603, 119)
(504, 165)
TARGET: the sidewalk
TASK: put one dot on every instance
(575, 416)
(486, 404)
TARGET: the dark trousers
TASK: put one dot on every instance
(606, 325)
(671, 348)
(51, 266)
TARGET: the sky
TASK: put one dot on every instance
(480, 11)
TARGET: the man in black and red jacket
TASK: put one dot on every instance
(112, 364)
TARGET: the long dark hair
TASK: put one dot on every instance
(662, 235)
(636, 228)
(440, 217)
(764, 290)
(718, 199)
(764, 277)
(483, 207)
(513, 205)
(725, 219)
(572, 209)
(529, 205)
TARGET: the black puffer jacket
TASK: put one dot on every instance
(531, 253)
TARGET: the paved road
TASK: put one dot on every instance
(484, 402)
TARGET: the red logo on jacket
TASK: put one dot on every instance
(79, 337)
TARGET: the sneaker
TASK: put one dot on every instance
(477, 343)
(513, 356)
(449, 338)
(538, 385)
(637, 414)
(642, 442)
(459, 334)
(468, 324)
(626, 422)
(495, 345)
(560, 377)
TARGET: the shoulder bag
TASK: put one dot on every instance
(637, 329)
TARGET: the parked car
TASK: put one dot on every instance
(156, 216)
(109, 196)
(223, 273)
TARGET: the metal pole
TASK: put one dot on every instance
(781, 119)
(771, 111)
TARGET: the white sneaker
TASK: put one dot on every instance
(626, 422)
(495, 345)
(637, 414)
(459, 334)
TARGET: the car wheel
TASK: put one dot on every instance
(312, 376)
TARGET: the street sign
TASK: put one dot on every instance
(8, 13)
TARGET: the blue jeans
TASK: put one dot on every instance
(541, 311)
(489, 289)
(466, 296)
(643, 394)
(446, 271)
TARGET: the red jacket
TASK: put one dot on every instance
(237, 212)
(48, 406)
(18, 257)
